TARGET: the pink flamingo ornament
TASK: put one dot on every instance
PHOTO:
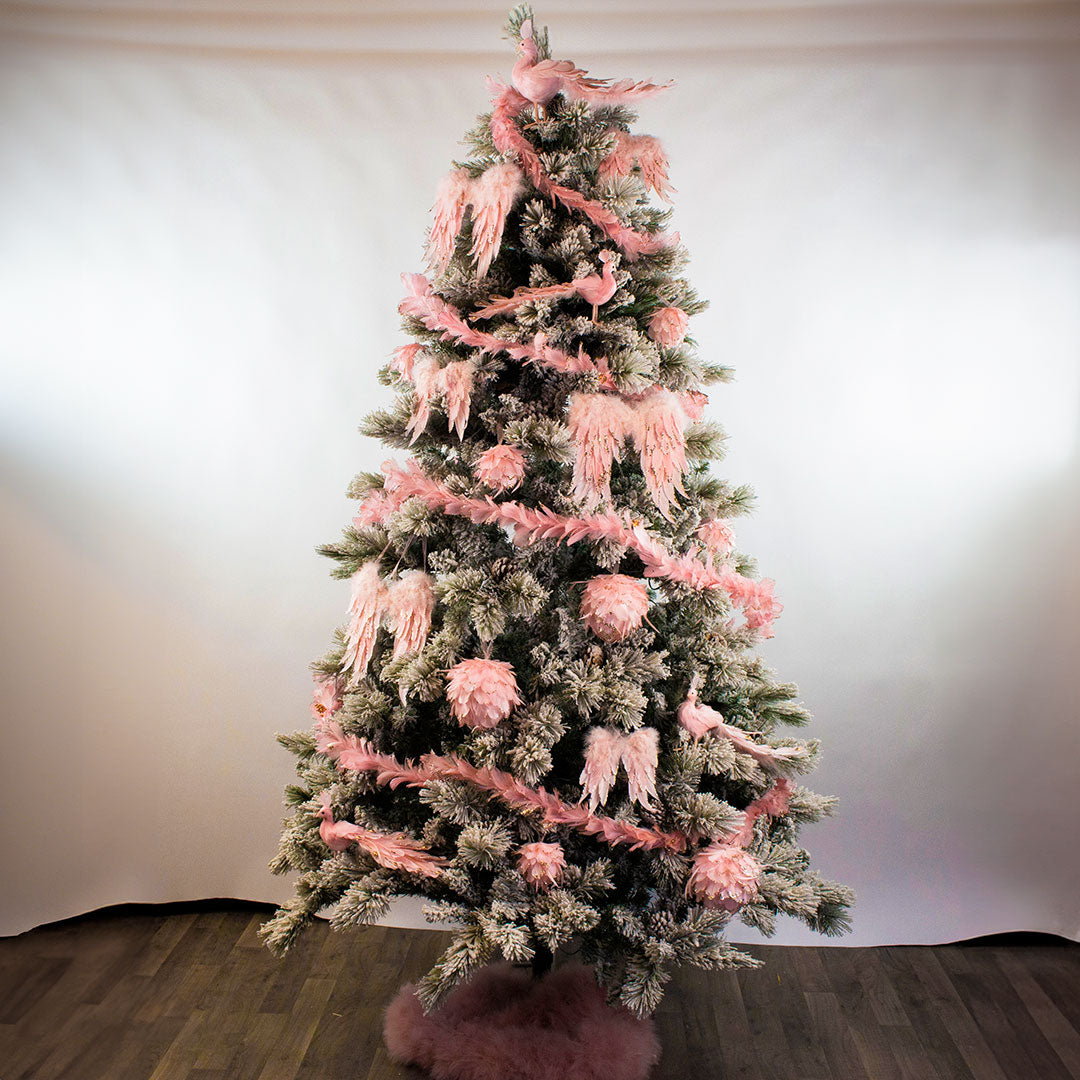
(595, 289)
(540, 80)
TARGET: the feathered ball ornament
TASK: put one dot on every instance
(613, 606)
(412, 600)
(541, 864)
(668, 326)
(724, 876)
(502, 468)
(482, 692)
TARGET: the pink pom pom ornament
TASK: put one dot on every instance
(724, 876)
(668, 327)
(482, 692)
(502, 468)
(614, 605)
(541, 864)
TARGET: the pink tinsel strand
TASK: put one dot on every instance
(613, 605)
(659, 422)
(501, 468)
(507, 104)
(667, 327)
(367, 606)
(724, 876)
(356, 755)
(603, 752)
(492, 197)
(599, 425)
(436, 314)
(541, 864)
(543, 524)
(395, 851)
(482, 692)
(700, 719)
(649, 155)
(412, 601)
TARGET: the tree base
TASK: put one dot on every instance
(505, 1025)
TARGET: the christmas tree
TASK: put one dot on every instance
(544, 713)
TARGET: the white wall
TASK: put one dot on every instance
(203, 213)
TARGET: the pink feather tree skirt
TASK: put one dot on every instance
(505, 1025)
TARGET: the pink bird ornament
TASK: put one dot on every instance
(700, 719)
(367, 606)
(539, 81)
(395, 851)
(595, 289)
(647, 153)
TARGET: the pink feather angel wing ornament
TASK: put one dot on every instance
(456, 383)
(647, 153)
(411, 603)
(427, 380)
(494, 195)
(603, 753)
(453, 195)
(599, 425)
(639, 757)
(367, 606)
(659, 423)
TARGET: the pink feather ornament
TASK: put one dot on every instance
(723, 875)
(456, 383)
(493, 196)
(427, 382)
(412, 601)
(502, 468)
(647, 152)
(482, 692)
(693, 403)
(603, 752)
(395, 851)
(451, 198)
(404, 358)
(613, 605)
(599, 425)
(367, 606)
(639, 757)
(659, 422)
(541, 864)
(761, 607)
(327, 697)
(668, 327)
(777, 800)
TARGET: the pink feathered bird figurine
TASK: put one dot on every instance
(595, 289)
(540, 80)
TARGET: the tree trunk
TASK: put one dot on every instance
(542, 961)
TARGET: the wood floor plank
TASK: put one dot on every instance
(188, 995)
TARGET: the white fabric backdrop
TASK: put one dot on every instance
(205, 209)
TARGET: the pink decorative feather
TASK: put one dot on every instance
(327, 697)
(404, 359)
(367, 606)
(336, 835)
(501, 468)
(659, 421)
(412, 601)
(761, 607)
(427, 382)
(456, 383)
(603, 752)
(494, 194)
(647, 152)
(599, 424)
(639, 757)
(718, 536)
(452, 196)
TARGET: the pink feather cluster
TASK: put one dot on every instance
(491, 196)
(647, 153)
(453, 383)
(541, 864)
(667, 327)
(409, 603)
(613, 605)
(605, 751)
(326, 699)
(724, 875)
(482, 692)
(502, 468)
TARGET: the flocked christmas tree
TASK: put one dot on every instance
(544, 713)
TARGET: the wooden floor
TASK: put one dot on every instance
(195, 996)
